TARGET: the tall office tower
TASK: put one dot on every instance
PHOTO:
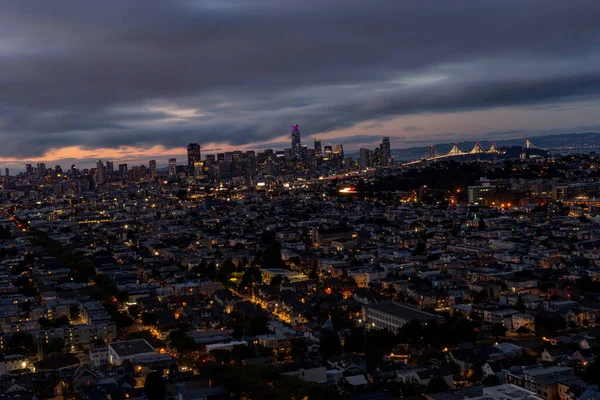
(210, 159)
(328, 152)
(304, 153)
(41, 169)
(386, 152)
(318, 149)
(172, 166)
(73, 170)
(110, 167)
(122, 170)
(99, 172)
(365, 159)
(152, 165)
(198, 170)
(6, 172)
(29, 169)
(296, 143)
(58, 169)
(193, 154)
(339, 150)
(288, 153)
(220, 157)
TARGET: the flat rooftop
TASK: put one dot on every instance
(403, 312)
(128, 348)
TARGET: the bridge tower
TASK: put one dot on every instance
(494, 149)
(529, 145)
(455, 151)
(477, 149)
(432, 153)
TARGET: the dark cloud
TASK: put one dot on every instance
(120, 72)
(413, 128)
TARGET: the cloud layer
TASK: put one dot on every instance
(235, 72)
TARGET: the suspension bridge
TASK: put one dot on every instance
(477, 149)
(456, 151)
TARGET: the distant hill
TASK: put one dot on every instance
(546, 141)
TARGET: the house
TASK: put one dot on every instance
(493, 368)
(540, 380)
(508, 350)
(356, 381)
(523, 320)
(305, 372)
(555, 355)
(349, 364)
(506, 392)
(423, 376)
(98, 356)
(584, 356)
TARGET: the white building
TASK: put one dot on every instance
(99, 356)
(128, 350)
(523, 320)
(393, 316)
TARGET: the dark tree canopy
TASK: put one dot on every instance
(155, 387)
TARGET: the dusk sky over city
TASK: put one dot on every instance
(130, 80)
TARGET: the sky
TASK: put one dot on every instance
(136, 80)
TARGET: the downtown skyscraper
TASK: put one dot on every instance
(172, 166)
(386, 152)
(193, 154)
(318, 148)
(296, 142)
(99, 172)
(152, 165)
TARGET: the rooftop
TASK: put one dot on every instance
(404, 312)
(128, 348)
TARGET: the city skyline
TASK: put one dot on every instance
(81, 85)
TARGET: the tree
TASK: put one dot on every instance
(490, 380)
(227, 268)
(61, 321)
(437, 385)
(420, 248)
(241, 352)
(498, 330)
(122, 297)
(182, 194)
(329, 344)
(155, 387)
(271, 257)
(4, 232)
(549, 324)
(277, 280)
(379, 343)
(355, 342)
(45, 322)
(412, 332)
(55, 346)
(149, 319)
(221, 356)
(134, 311)
(257, 325)
(520, 304)
(180, 341)
(20, 343)
(523, 330)
(251, 276)
(481, 225)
